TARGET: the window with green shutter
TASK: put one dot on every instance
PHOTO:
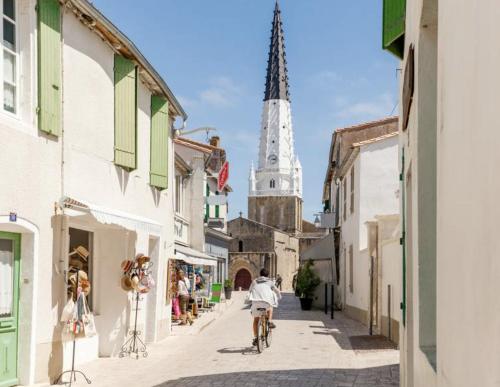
(159, 142)
(49, 66)
(394, 15)
(125, 113)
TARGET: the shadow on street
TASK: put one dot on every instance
(375, 376)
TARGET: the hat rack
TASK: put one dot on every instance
(72, 372)
(135, 346)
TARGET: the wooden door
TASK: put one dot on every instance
(243, 280)
(10, 246)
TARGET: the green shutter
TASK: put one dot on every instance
(394, 26)
(217, 208)
(207, 206)
(49, 66)
(125, 112)
(159, 142)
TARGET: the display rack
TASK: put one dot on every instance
(72, 372)
(134, 345)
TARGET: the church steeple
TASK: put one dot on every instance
(277, 74)
(278, 172)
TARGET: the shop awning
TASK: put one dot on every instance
(111, 216)
(194, 257)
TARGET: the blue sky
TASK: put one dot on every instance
(213, 56)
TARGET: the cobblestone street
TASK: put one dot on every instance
(307, 350)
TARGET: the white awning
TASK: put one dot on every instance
(193, 256)
(110, 216)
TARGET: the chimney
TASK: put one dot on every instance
(215, 141)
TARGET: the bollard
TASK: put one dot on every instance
(326, 298)
(332, 290)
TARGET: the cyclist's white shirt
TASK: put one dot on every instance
(263, 290)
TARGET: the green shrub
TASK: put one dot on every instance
(307, 280)
(228, 283)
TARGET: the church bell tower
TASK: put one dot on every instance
(275, 187)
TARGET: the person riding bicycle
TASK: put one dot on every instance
(263, 294)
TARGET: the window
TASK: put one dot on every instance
(345, 199)
(352, 189)
(272, 183)
(351, 269)
(81, 258)
(179, 194)
(240, 246)
(9, 53)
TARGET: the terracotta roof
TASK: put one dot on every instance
(369, 124)
(194, 144)
(376, 139)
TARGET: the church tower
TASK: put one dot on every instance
(275, 187)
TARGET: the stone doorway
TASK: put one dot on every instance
(243, 280)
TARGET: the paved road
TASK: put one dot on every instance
(307, 350)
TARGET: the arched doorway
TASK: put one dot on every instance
(243, 279)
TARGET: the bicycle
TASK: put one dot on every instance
(264, 331)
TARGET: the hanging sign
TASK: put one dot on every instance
(223, 176)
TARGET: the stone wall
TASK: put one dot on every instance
(281, 212)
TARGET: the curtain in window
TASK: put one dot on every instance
(6, 277)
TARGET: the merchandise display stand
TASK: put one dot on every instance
(134, 345)
(72, 373)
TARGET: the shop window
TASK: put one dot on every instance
(80, 260)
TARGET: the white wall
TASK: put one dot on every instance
(378, 183)
(34, 181)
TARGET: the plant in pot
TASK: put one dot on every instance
(228, 288)
(307, 282)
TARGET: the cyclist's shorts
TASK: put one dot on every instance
(258, 305)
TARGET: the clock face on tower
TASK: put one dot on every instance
(273, 159)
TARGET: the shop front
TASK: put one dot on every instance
(200, 271)
(97, 243)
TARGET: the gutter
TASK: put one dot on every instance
(90, 10)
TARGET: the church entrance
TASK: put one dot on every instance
(243, 280)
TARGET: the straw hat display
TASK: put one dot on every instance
(136, 274)
(83, 281)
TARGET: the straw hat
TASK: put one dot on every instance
(135, 282)
(126, 283)
(82, 252)
(76, 263)
(127, 265)
(83, 281)
(142, 259)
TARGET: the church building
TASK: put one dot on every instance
(271, 235)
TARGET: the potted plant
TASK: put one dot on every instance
(228, 288)
(307, 282)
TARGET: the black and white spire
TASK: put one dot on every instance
(277, 74)
(278, 172)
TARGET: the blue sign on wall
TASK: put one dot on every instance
(13, 217)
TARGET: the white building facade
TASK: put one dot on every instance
(449, 153)
(89, 162)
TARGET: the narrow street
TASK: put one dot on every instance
(308, 349)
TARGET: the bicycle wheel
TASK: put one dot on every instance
(260, 336)
(269, 334)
